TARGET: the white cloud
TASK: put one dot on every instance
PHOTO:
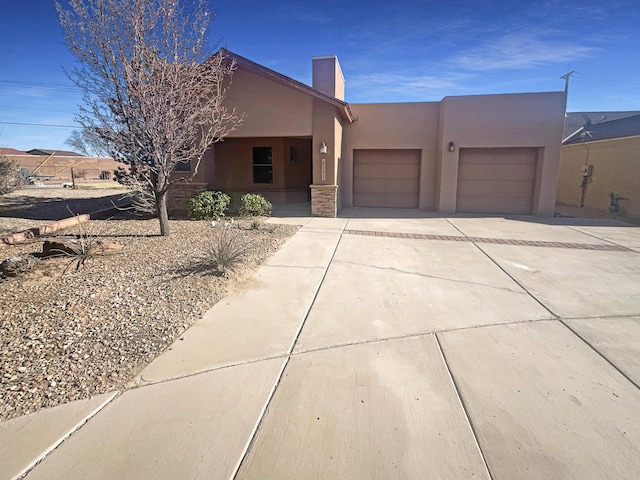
(522, 50)
(398, 85)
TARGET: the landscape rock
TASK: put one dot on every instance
(16, 265)
(72, 334)
(58, 247)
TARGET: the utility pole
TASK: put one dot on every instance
(566, 77)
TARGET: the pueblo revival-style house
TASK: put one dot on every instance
(466, 154)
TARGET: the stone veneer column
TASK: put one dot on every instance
(324, 201)
(179, 195)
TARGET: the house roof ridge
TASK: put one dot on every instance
(54, 153)
(288, 81)
(603, 130)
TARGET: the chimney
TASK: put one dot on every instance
(327, 76)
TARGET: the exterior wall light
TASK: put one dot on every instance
(451, 147)
(323, 148)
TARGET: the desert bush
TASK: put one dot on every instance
(255, 224)
(226, 252)
(9, 175)
(254, 205)
(85, 246)
(209, 205)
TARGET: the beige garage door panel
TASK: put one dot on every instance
(499, 205)
(386, 178)
(373, 171)
(496, 180)
(505, 172)
(496, 188)
(389, 185)
(395, 200)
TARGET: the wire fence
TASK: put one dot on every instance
(68, 177)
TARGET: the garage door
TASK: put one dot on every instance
(386, 178)
(496, 180)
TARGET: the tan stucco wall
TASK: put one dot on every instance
(327, 128)
(275, 110)
(513, 120)
(393, 126)
(327, 76)
(272, 109)
(616, 168)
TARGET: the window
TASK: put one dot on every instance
(262, 165)
(296, 155)
(182, 167)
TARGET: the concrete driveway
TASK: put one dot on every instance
(385, 344)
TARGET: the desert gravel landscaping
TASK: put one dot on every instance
(26, 208)
(68, 335)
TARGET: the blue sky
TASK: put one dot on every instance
(390, 51)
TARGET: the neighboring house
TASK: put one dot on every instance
(469, 154)
(11, 151)
(600, 163)
(53, 153)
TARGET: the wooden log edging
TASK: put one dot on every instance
(53, 227)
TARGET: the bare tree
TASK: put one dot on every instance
(82, 142)
(153, 92)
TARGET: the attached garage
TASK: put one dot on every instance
(496, 180)
(386, 178)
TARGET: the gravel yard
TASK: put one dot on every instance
(27, 208)
(72, 335)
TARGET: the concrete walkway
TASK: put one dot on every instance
(384, 344)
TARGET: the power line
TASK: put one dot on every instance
(589, 79)
(40, 125)
(20, 107)
(53, 86)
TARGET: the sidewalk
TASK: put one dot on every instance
(384, 348)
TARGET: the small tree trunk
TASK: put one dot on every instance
(162, 191)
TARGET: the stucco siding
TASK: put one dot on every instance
(278, 107)
(616, 169)
(272, 109)
(499, 121)
(400, 126)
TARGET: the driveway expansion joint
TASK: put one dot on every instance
(463, 406)
(495, 241)
(415, 335)
(287, 357)
(599, 353)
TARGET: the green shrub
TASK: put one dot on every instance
(254, 205)
(208, 205)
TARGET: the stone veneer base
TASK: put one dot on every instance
(179, 195)
(324, 201)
